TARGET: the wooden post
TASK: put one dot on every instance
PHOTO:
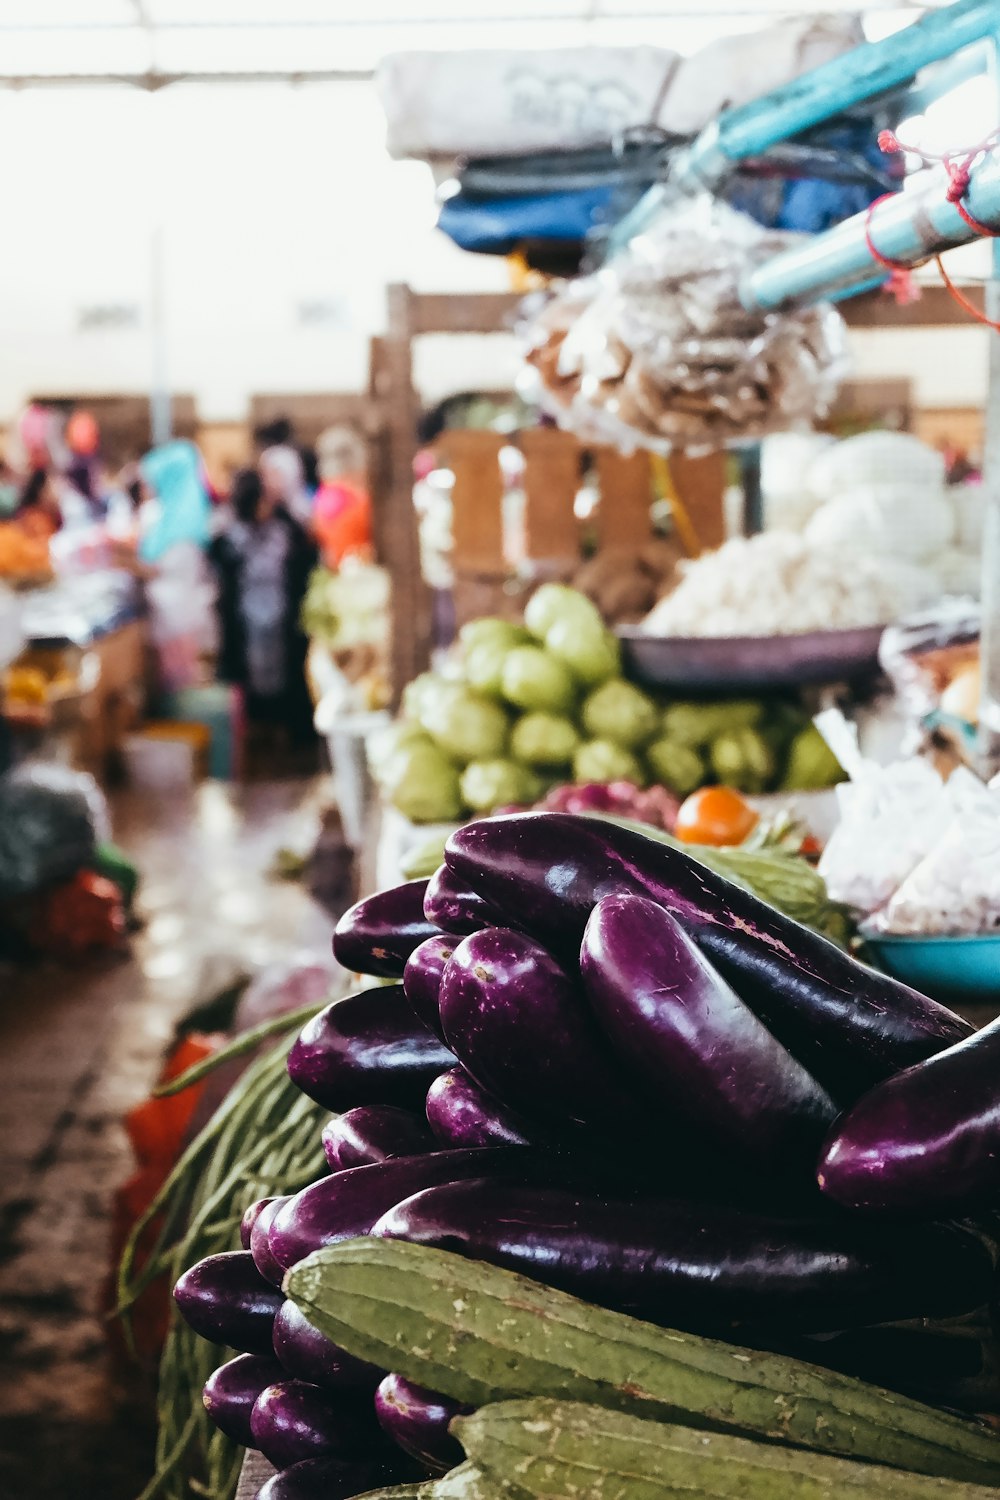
(411, 607)
(625, 515)
(551, 481)
(476, 500)
(700, 484)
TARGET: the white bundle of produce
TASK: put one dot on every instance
(955, 888)
(891, 817)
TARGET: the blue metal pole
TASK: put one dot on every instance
(906, 228)
(868, 71)
(864, 73)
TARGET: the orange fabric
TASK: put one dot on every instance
(156, 1129)
(342, 519)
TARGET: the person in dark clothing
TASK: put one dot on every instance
(263, 559)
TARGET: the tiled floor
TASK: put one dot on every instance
(78, 1046)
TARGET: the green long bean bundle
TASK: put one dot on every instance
(263, 1140)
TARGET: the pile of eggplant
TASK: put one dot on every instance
(601, 1064)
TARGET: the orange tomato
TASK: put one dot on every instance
(715, 815)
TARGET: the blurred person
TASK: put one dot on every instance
(263, 560)
(342, 510)
(283, 477)
(169, 555)
(39, 509)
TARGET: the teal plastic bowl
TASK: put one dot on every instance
(953, 968)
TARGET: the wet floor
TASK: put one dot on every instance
(79, 1046)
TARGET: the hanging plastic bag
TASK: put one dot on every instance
(657, 349)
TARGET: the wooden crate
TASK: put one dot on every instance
(498, 557)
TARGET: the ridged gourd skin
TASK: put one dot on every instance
(479, 1334)
(554, 1449)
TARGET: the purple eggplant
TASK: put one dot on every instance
(231, 1390)
(336, 1478)
(675, 1022)
(226, 1300)
(292, 1420)
(422, 979)
(926, 1141)
(259, 1247)
(306, 1354)
(374, 1133)
(367, 1049)
(454, 908)
(417, 1420)
(347, 1204)
(377, 935)
(850, 1026)
(249, 1219)
(460, 1113)
(703, 1266)
(522, 1029)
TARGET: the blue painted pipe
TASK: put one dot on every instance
(906, 228)
(864, 73)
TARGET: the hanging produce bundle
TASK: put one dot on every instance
(605, 1084)
(525, 708)
(658, 349)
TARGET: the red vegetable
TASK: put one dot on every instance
(347, 1204)
(377, 935)
(226, 1300)
(417, 1420)
(522, 1029)
(926, 1141)
(676, 1023)
(460, 1113)
(373, 1133)
(453, 908)
(259, 1247)
(702, 1266)
(231, 1390)
(422, 979)
(307, 1354)
(849, 1025)
(367, 1049)
(292, 1420)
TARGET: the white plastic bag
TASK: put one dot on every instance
(890, 818)
(956, 886)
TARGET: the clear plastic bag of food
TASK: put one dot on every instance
(657, 348)
(955, 888)
(924, 655)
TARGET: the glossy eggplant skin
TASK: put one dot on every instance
(306, 1354)
(367, 1049)
(850, 1026)
(453, 908)
(703, 1267)
(422, 979)
(226, 1300)
(337, 1478)
(347, 1204)
(925, 1142)
(292, 1420)
(417, 1420)
(520, 1026)
(377, 935)
(231, 1390)
(374, 1133)
(460, 1113)
(249, 1219)
(674, 1021)
(259, 1246)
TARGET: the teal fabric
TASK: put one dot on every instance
(174, 473)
